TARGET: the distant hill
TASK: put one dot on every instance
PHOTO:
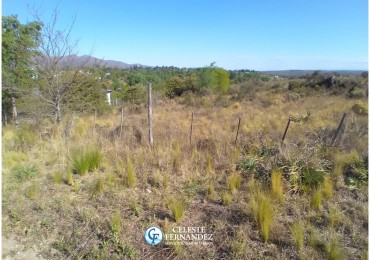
(89, 61)
(299, 73)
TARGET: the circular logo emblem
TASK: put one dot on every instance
(153, 236)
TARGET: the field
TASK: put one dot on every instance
(85, 189)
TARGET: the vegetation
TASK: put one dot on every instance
(302, 198)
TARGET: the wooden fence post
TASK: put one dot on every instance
(286, 130)
(237, 131)
(150, 114)
(191, 128)
(339, 127)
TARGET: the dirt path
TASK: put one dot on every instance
(12, 249)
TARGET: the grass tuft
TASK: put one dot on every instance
(233, 182)
(86, 160)
(297, 230)
(177, 208)
(277, 185)
(98, 186)
(316, 199)
(131, 180)
(226, 198)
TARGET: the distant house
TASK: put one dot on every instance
(108, 91)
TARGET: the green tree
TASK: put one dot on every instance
(19, 44)
(221, 80)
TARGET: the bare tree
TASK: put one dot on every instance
(57, 66)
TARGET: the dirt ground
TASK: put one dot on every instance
(12, 249)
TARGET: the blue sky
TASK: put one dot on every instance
(259, 34)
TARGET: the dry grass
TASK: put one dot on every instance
(212, 184)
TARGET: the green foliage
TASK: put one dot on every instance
(177, 208)
(19, 43)
(312, 178)
(86, 160)
(24, 172)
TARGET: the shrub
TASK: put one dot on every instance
(24, 172)
(177, 208)
(297, 230)
(277, 185)
(226, 198)
(312, 178)
(233, 182)
(360, 109)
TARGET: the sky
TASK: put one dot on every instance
(236, 34)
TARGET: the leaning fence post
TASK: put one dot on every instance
(339, 127)
(237, 131)
(150, 114)
(286, 130)
(191, 128)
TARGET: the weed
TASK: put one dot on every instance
(277, 185)
(233, 182)
(24, 172)
(249, 164)
(177, 208)
(297, 230)
(226, 198)
(312, 178)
